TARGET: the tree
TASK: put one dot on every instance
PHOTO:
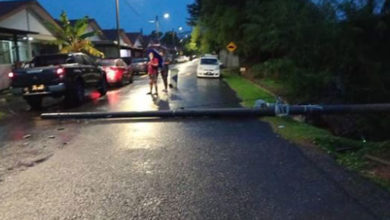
(73, 38)
(323, 51)
(193, 44)
(194, 11)
(170, 38)
(156, 36)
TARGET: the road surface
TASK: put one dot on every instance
(206, 168)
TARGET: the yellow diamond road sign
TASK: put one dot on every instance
(231, 47)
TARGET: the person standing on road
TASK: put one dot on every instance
(153, 72)
(164, 71)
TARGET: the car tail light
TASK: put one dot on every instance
(11, 75)
(111, 74)
(61, 72)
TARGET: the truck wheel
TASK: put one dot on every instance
(35, 102)
(103, 87)
(75, 95)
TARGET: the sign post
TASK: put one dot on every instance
(232, 60)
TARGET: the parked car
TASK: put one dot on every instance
(117, 71)
(139, 65)
(208, 67)
(58, 75)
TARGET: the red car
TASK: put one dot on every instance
(117, 71)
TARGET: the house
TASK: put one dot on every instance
(29, 16)
(23, 34)
(8, 56)
(146, 39)
(137, 39)
(106, 40)
(93, 26)
(110, 48)
(100, 40)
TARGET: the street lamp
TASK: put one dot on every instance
(180, 28)
(167, 15)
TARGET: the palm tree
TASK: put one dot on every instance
(73, 38)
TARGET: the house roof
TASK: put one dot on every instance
(112, 34)
(9, 8)
(94, 24)
(146, 39)
(133, 36)
(15, 31)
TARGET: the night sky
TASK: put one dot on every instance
(134, 14)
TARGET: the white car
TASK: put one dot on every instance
(208, 67)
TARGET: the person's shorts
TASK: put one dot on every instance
(164, 74)
(153, 76)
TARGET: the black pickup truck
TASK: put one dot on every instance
(58, 75)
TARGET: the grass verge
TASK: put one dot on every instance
(306, 134)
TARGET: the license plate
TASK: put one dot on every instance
(38, 87)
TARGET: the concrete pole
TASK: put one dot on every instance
(118, 28)
(271, 110)
(29, 48)
(157, 29)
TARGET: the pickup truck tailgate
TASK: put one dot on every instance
(35, 76)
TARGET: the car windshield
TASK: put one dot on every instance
(106, 62)
(51, 60)
(209, 62)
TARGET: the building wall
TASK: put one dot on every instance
(4, 70)
(5, 52)
(109, 52)
(137, 44)
(122, 41)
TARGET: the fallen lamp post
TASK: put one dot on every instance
(261, 109)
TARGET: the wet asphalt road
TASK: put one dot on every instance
(208, 168)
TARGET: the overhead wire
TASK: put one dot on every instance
(136, 12)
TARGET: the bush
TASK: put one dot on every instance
(307, 86)
(277, 69)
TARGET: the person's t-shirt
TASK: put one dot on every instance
(153, 66)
